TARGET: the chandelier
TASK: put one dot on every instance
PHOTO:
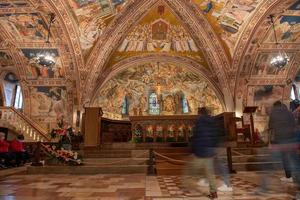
(281, 59)
(46, 58)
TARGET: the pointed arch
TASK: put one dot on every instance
(255, 22)
(189, 15)
(191, 64)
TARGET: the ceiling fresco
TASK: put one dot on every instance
(228, 17)
(92, 17)
(24, 26)
(287, 26)
(159, 31)
(5, 59)
(40, 69)
(13, 4)
(171, 81)
(262, 66)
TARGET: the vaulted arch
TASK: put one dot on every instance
(189, 63)
(187, 13)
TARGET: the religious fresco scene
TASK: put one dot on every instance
(5, 59)
(149, 99)
(38, 67)
(228, 17)
(262, 66)
(264, 96)
(92, 17)
(13, 3)
(30, 26)
(159, 32)
(171, 84)
(48, 104)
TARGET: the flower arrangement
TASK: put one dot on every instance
(66, 156)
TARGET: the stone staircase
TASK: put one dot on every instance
(20, 123)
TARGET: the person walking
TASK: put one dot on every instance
(204, 143)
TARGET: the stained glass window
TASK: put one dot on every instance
(154, 108)
(125, 106)
(185, 106)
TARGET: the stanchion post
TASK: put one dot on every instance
(229, 161)
(151, 163)
(37, 156)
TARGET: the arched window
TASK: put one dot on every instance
(154, 108)
(125, 106)
(185, 106)
(12, 91)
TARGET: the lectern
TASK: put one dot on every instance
(250, 110)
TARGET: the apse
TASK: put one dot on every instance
(156, 89)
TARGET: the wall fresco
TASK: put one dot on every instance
(168, 81)
(36, 70)
(263, 96)
(48, 104)
(228, 17)
(25, 26)
(263, 67)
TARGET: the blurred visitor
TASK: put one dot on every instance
(204, 143)
(284, 144)
(283, 126)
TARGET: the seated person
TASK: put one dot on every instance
(5, 156)
(17, 147)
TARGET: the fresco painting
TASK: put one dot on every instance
(159, 31)
(228, 17)
(48, 102)
(263, 67)
(25, 26)
(171, 83)
(287, 30)
(5, 59)
(295, 6)
(35, 70)
(264, 96)
(93, 16)
(13, 3)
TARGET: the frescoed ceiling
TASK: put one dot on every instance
(159, 31)
(228, 17)
(231, 39)
(92, 17)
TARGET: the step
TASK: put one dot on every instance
(257, 166)
(116, 161)
(88, 170)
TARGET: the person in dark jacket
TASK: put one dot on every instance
(282, 125)
(284, 143)
(204, 142)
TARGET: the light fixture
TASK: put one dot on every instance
(46, 58)
(281, 59)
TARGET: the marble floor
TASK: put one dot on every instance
(135, 187)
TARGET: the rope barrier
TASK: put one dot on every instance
(171, 160)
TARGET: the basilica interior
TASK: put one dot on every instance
(106, 94)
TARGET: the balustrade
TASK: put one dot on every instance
(15, 119)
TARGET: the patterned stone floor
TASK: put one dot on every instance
(134, 187)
